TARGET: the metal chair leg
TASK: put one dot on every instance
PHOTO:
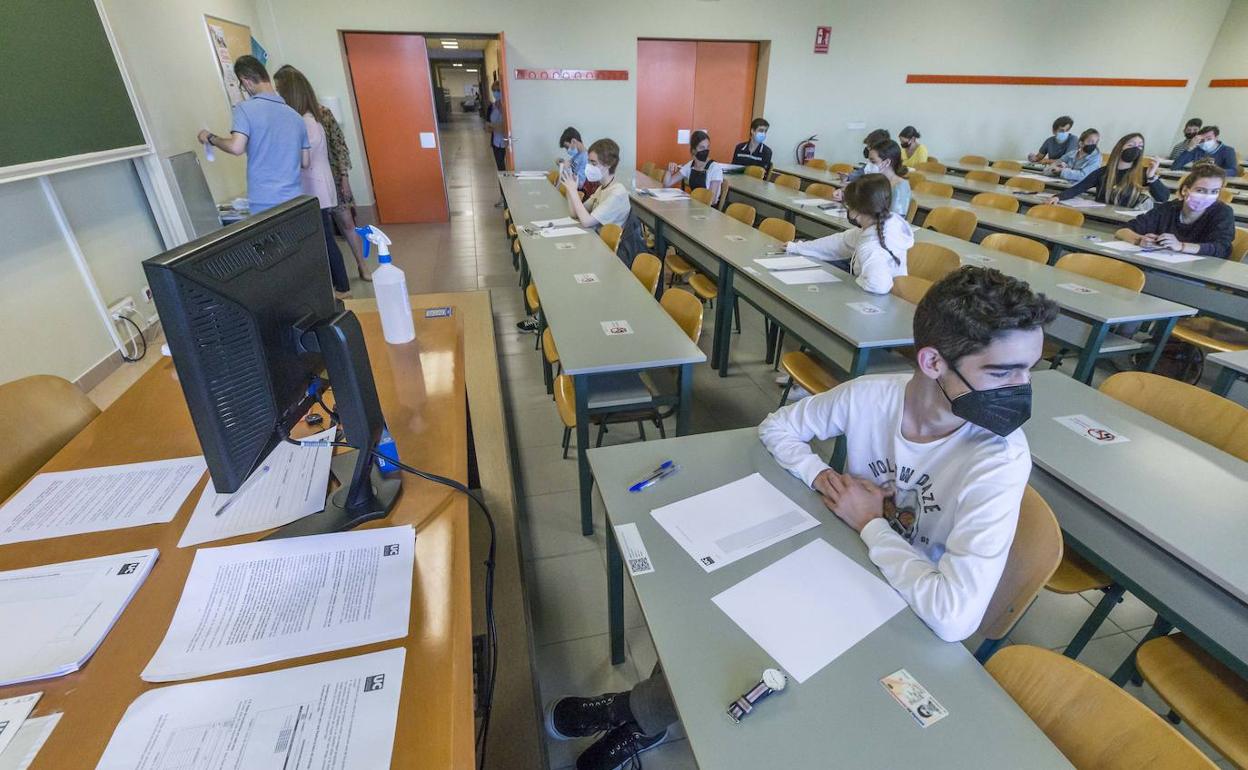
(1126, 670)
(784, 396)
(602, 429)
(1112, 596)
(775, 366)
(736, 313)
(641, 429)
(567, 439)
(987, 648)
(658, 423)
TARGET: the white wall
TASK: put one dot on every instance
(1226, 108)
(455, 78)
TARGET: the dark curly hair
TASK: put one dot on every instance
(963, 312)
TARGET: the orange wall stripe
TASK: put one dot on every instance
(1229, 83)
(1026, 80)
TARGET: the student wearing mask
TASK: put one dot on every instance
(872, 139)
(1191, 138)
(1130, 184)
(1210, 149)
(874, 251)
(1081, 161)
(1057, 145)
(700, 171)
(575, 156)
(940, 535)
(884, 158)
(1194, 223)
(912, 152)
(754, 151)
(609, 205)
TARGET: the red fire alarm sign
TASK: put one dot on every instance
(822, 36)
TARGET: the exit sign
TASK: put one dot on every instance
(823, 35)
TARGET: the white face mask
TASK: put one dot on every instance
(593, 173)
(1209, 145)
(871, 168)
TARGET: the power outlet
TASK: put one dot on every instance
(147, 293)
(122, 307)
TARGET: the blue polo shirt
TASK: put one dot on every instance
(276, 137)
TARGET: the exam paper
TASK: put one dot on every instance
(98, 499)
(1170, 257)
(294, 486)
(786, 263)
(560, 232)
(26, 743)
(733, 521)
(13, 712)
(810, 201)
(1120, 245)
(336, 715)
(796, 277)
(255, 603)
(808, 608)
(561, 222)
(64, 612)
(530, 174)
(667, 193)
(1041, 177)
(1081, 203)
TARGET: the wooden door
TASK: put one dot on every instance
(723, 93)
(665, 79)
(394, 96)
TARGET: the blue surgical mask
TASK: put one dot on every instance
(1209, 145)
(760, 137)
(571, 152)
(498, 95)
(1062, 136)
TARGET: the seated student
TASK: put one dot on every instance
(872, 139)
(753, 152)
(1131, 184)
(885, 158)
(1081, 161)
(875, 250)
(1191, 138)
(933, 480)
(1057, 145)
(912, 152)
(576, 159)
(1210, 149)
(1194, 223)
(609, 205)
(701, 171)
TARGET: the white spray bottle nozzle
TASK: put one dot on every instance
(371, 234)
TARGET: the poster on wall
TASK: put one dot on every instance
(226, 62)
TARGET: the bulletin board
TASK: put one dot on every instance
(229, 40)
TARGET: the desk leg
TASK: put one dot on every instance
(1126, 670)
(581, 387)
(1161, 333)
(1226, 378)
(660, 240)
(858, 367)
(1091, 347)
(615, 597)
(685, 407)
(718, 341)
(723, 317)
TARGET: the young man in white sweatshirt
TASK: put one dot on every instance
(936, 467)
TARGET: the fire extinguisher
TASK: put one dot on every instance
(806, 149)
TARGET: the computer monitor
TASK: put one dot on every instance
(253, 327)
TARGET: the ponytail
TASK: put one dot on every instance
(872, 194)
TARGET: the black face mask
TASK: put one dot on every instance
(1001, 410)
(1132, 154)
(1088, 149)
(702, 155)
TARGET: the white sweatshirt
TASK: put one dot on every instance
(872, 264)
(956, 498)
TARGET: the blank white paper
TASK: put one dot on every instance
(560, 232)
(561, 222)
(1171, 257)
(808, 608)
(787, 263)
(797, 277)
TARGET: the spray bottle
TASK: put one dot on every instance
(390, 286)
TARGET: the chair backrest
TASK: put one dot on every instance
(984, 176)
(1054, 213)
(1091, 720)
(932, 167)
(686, 310)
(915, 177)
(38, 415)
(1026, 185)
(820, 190)
(552, 177)
(648, 269)
(1227, 194)
(939, 189)
(755, 171)
(787, 180)
(1239, 246)
(778, 228)
(648, 167)
(950, 220)
(610, 235)
(818, 163)
(565, 399)
(1007, 165)
(1105, 269)
(701, 195)
(1213, 419)
(996, 201)
(931, 260)
(912, 210)
(973, 160)
(911, 288)
(1018, 246)
(741, 212)
(1033, 558)
(657, 174)
(840, 168)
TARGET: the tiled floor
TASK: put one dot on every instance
(566, 572)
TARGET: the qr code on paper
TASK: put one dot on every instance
(639, 565)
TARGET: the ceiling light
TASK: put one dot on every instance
(457, 64)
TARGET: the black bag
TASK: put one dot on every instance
(632, 240)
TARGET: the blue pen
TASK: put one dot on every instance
(643, 485)
(653, 476)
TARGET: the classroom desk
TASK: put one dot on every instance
(1234, 366)
(821, 318)
(1086, 318)
(1169, 178)
(600, 365)
(422, 390)
(1162, 513)
(840, 716)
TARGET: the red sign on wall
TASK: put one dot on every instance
(823, 35)
(571, 74)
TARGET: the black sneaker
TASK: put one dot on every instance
(569, 718)
(618, 748)
(528, 326)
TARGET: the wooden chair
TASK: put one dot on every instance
(840, 168)
(677, 267)
(932, 167)
(807, 373)
(1054, 213)
(1227, 194)
(1213, 419)
(549, 351)
(820, 190)
(531, 300)
(742, 212)
(1094, 723)
(939, 189)
(1105, 269)
(931, 261)
(755, 171)
(701, 195)
(704, 289)
(818, 163)
(958, 222)
(1034, 557)
(1239, 246)
(973, 160)
(38, 416)
(1007, 165)
(657, 174)
(911, 288)
(1018, 246)
(984, 176)
(1211, 335)
(912, 210)
(648, 269)
(787, 180)
(914, 177)
(552, 177)
(686, 311)
(648, 167)
(996, 201)
(1024, 184)
(778, 228)
(610, 235)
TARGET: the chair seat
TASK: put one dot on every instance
(807, 372)
(678, 265)
(548, 346)
(703, 287)
(1206, 694)
(531, 299)
(1211, 334)
(1076, 574)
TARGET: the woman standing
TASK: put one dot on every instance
(339, 165)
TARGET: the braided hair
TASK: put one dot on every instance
(873, 195)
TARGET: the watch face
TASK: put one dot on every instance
(774, 679)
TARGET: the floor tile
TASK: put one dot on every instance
(569, 598)
(1053, 620)
(553, 525)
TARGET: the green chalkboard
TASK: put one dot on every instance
(62, 93)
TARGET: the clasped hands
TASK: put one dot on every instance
(855, 501)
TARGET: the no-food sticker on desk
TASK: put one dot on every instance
(616, 328)
(1091, 429)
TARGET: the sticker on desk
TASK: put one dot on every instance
(698, 217)
(1091, 429)
(978, 259)
(1077, 288)
(735, 238)
(438, 312)
(565, 245)
(866, 308)
(914, 698)
(751, 271)
(616, 328)
(633, 550)
(541, 205)
(586, 277)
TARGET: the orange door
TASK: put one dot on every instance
(502, 81)
(390, 75)
(665, 80)
(723, 94)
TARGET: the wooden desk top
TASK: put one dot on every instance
(421, 386)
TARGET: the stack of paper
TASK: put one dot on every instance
(666, 193)
(810, 201)
(1041, 177)
(787, 263)
(13, 712)
(561, 222)
(1081, 203)
(247, 605)
(561, 232)
(1120, 245)
(801, 277)
(27, 741)
(64, 611)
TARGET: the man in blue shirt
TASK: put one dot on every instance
(273, 136)
(570, 140)
(1211, 148)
